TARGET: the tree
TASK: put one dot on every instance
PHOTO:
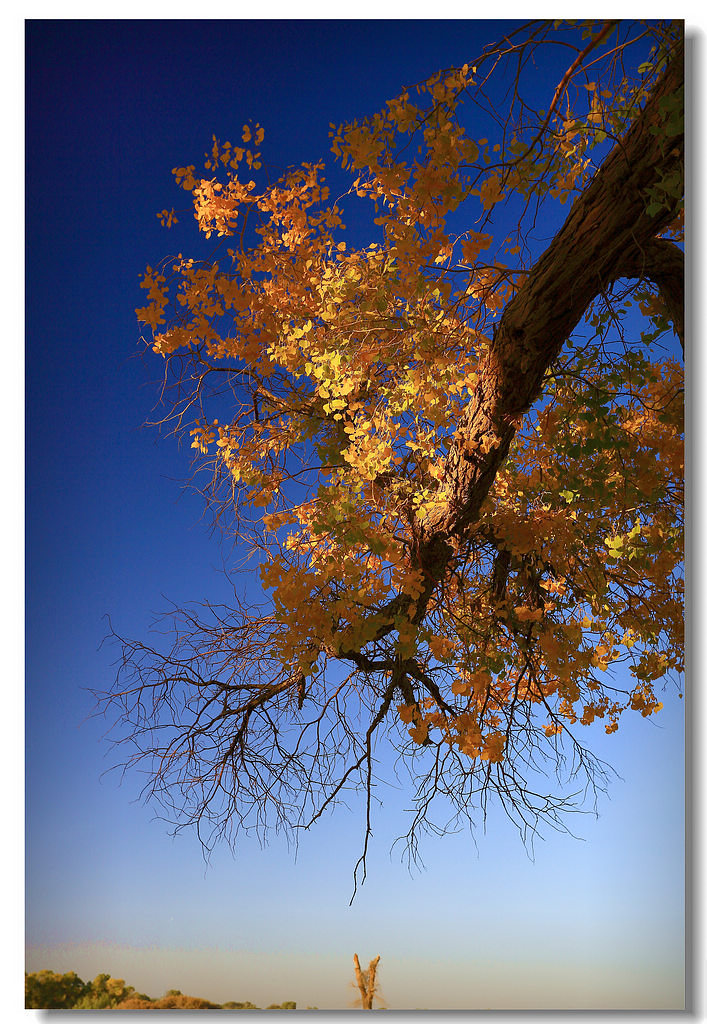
(45, 990)
(366, 982)
(104, 993)
(456, 459)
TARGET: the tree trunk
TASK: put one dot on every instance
(366, 981)
(607, 235)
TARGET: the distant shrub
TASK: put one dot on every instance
(168, 1002)
(45, 990)
(181, 1002)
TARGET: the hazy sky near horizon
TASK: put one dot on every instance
(595, 921)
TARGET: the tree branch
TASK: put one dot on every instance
(608, 234)
(663, 263)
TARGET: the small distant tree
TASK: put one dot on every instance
(45, 990)
(239, 1006)
(366, 981)
(282, 1006)
(104, 993)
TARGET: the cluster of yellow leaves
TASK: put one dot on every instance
(153, 313)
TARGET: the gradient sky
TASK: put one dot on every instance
(592, 922)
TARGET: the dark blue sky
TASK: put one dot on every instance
(112, 106)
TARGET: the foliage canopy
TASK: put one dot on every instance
(455, 460)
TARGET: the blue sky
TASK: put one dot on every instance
(112, 107)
